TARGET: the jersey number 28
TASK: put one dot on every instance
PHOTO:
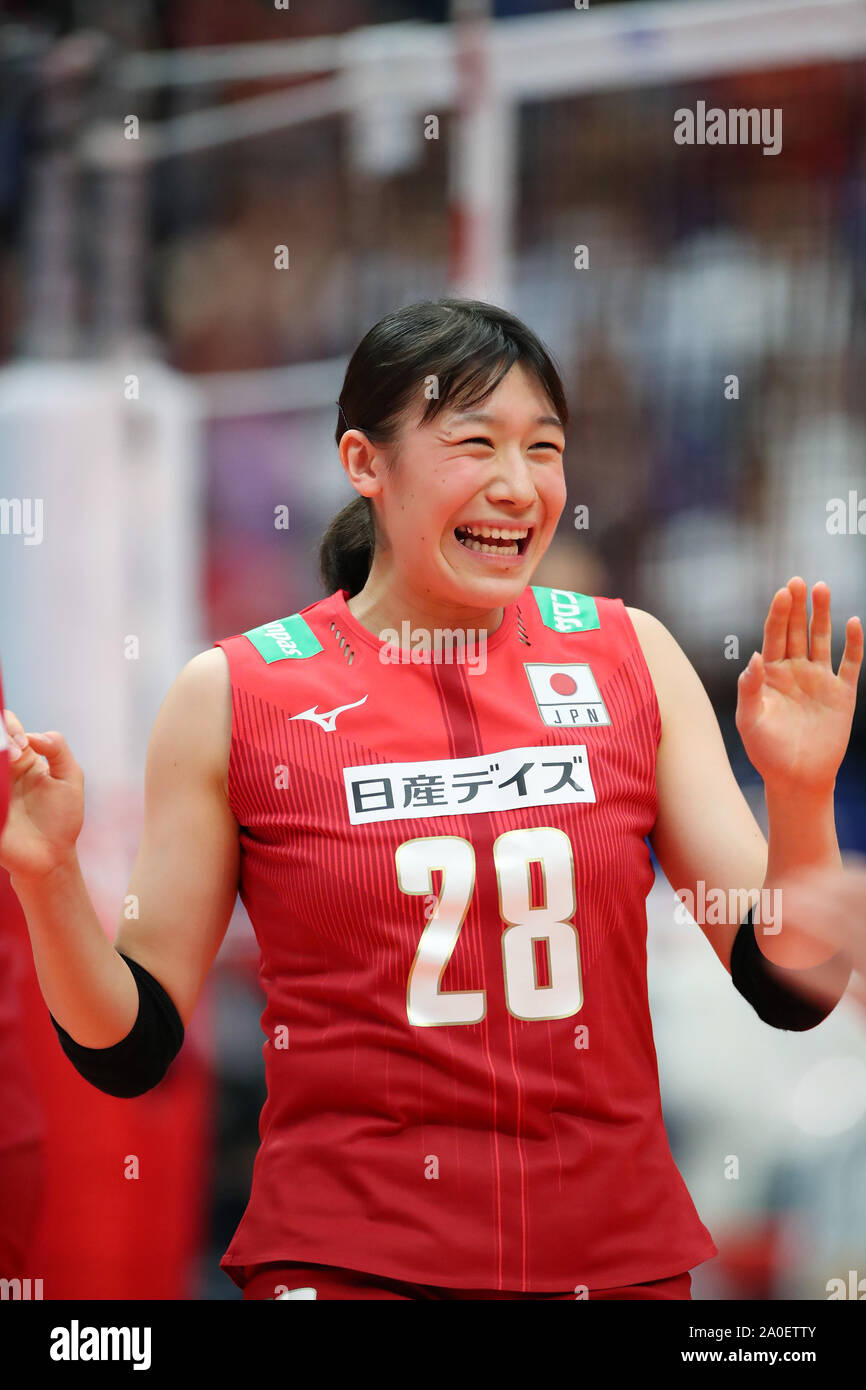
(428, 1005)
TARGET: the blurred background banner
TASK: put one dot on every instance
(204, 205)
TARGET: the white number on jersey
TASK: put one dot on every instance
(427, 1004)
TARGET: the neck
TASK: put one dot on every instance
(382, 607)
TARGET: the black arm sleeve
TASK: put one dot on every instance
(140, 1060)
(762, 983)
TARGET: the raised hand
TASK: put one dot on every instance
(793, 714)
(46, 802)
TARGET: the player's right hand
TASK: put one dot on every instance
(46, 802)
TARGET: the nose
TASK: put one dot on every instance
(512, 480)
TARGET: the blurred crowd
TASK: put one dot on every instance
(704, 265)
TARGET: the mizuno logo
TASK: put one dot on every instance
(328, 720)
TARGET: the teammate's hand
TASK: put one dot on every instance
(793, 714)
(830, 906)
(46, 802)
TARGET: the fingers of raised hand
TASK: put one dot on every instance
(776, 626)
(13, 723)
(23, 754)
(852, 656)
(17, 737)
(819, 625)
(788, 634)
(797, 644)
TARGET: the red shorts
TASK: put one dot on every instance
(303, 1281)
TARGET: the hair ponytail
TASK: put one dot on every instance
(466, 347)
(346, 552)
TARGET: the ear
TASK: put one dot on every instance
(365, 463)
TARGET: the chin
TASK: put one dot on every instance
(494, 591)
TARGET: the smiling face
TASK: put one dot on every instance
(456, 482)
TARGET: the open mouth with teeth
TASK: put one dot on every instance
(494, 540)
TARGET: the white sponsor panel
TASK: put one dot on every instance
(567, 695)
(504, 781)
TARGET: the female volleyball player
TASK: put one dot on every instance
(433, 788)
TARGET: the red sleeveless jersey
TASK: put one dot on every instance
(4, 764)
(444, 862)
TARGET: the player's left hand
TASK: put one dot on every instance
(793, 714)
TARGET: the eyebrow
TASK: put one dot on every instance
(496, 419)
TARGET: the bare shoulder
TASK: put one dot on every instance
(207, 671)
(195, 720)
(204, 685)
(654, 638)
(663, 655)
(677, 684)
(644, 623)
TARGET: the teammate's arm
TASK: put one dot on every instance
(183, 883)
(704, 828)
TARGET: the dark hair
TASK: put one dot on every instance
(468, 346)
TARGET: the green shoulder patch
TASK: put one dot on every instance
(565, 611)
(284, 638)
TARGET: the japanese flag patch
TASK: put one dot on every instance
(567, 695)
